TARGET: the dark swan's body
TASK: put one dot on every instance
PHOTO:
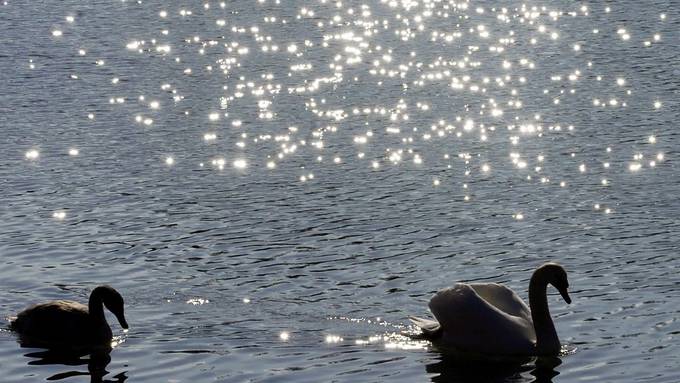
(489, 318)
(68, 323)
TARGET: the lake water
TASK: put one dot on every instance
(274, 187)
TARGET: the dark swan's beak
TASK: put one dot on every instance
(122, 321)
(565, 294)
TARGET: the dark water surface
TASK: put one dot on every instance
(276, 213)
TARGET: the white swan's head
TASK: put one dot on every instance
(555, 274)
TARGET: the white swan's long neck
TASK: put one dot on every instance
(547, 342)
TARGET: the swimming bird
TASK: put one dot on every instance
(68, 323)
(489, 318)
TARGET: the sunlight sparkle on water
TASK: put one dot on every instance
(492, 84)
(32, 154)
(197, 301)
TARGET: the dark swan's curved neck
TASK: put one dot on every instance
(547, 342)
(95, 305)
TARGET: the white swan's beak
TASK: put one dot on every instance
(565, 295)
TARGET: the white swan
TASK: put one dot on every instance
(489, 318)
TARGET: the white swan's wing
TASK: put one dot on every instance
(503, 299)
(430, 328)
(471, 323)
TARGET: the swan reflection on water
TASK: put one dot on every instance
(96, 358)
(455, 367)
(96, 361)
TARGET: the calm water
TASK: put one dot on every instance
(274, 188)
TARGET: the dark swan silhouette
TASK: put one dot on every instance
(67, 323)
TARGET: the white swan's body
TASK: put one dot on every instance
(489, 318)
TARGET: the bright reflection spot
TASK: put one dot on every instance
(219, 163)
(59, 215)
(32, 154)
(404, 346)
(57, 33)
(240, 164)
(333, 339)
(518, 216)
(73, 152)
(169, 160)
(197, 301)
(635, 166)
(284, 336)
(246, 300)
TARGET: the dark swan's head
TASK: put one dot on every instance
(113, 301)
(555, 274)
